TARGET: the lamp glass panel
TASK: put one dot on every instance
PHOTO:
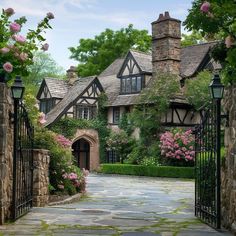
(217, 92)
(17, 92)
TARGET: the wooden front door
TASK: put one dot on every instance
(81, 152)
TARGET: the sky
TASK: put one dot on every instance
(76, 19)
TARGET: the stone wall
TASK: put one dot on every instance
(229, 164)
(41, 178)
(41, 161)
(6, 149)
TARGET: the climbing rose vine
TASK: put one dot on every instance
(16, 50)
(177, 144)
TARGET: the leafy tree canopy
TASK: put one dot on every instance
(44, 66)
(214, 17)
(197, 90)
(191, 39)
(94, 55)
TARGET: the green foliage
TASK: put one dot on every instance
(68, 127)
(220, 20)
(125, 124)
(192, 39)
(61, 162)
(19, 54)
(44, 66)
(149, 161)
(96, 54)
(121, 143)
(154, 102)
(197, 90)
(154, 171)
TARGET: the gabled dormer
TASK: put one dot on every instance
(135, 72)
(51, 91)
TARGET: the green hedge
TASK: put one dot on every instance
(154, 171)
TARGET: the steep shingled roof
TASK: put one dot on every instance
(143, 59)
(192, 58)
(69, 99)
(57, 88)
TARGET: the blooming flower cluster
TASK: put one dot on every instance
(78, 181)
(16, 50)
(205, 8)
(41, 118)
(177, 144)
(63, 141)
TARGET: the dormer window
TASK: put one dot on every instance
(131, 84)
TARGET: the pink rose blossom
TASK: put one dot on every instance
(50, 15)
(9, 11)
(42, 119)
(8, 67)
(23, 56)
(229, 41)
(205, 7)
(60, 186)
(19, 38)
(45, 47)
(4, 50)
(15, 27)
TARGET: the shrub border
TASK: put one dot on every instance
(153, 171)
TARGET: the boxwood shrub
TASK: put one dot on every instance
(153, 171)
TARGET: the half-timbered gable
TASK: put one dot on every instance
(50, 93)
(133, 72)
(79, 102)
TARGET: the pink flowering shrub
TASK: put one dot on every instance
(177, 146)
(63, 141)
(16, 49)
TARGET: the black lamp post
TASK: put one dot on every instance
(217, 91)
(17, 90)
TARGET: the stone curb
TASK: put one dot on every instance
(68, 200)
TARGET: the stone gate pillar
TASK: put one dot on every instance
(228, 182)
(6, 149)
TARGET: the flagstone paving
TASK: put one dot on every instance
(120, 206)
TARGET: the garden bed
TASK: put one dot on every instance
(153, 171)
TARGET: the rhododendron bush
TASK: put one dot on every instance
(177, 147)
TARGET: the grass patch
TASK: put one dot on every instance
(153, 171)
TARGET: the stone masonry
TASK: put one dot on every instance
(40, 178)
(41, 162)
(229, 165)
(166, 38)
(6, 149)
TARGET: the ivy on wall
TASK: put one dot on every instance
(69, 126)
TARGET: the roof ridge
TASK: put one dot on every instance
(200, 44)
(146, 53)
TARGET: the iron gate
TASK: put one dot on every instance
(22, 162)
(207, 166)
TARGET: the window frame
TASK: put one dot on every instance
(129, 79)
(115, 117)
(84, 109)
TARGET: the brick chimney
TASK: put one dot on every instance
(166, 36)
(71, 75)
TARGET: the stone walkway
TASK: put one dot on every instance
(120, 206)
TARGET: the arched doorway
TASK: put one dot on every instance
(81, 152)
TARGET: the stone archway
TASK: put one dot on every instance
(90, 137)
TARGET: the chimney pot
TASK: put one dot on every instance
(160, 17)
(167, 15)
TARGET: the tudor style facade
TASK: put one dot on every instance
(122, 82)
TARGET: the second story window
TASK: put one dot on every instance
(46, 105)
(116, 115)
(131, 84)
(85, 112)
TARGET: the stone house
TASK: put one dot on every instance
(122, 82)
